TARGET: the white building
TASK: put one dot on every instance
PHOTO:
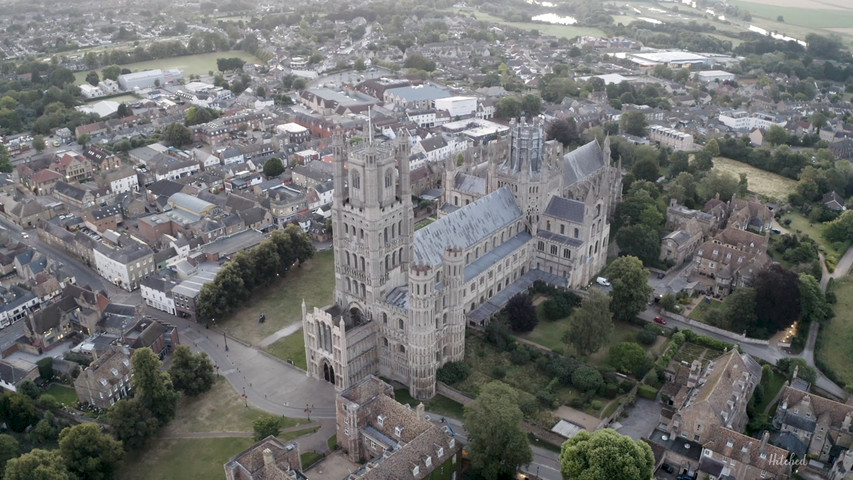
(422, 118)
(148, 78)
(126, 266)
(457, 106)
(709, 76)
(669, 137)
(123, 180)
(157, 293)
(743, 120)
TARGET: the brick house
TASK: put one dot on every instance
(394, 440)
(714, 396)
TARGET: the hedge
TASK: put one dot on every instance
(647, 391)
(706, 341)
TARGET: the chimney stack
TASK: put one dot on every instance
(268, 458)
(419, 410)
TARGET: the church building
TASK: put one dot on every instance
(403, 298)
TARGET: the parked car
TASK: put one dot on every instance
(602, 281)
(661, 321)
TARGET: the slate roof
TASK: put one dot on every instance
(799, 421)
(433, 143)
(470, 184)
(466, 226)
(566, 209)
(165, 188)
(68, 190)
(582, 162)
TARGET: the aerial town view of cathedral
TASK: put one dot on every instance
(447, 240)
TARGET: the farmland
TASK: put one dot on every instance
(199, 64)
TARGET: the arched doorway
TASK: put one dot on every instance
(328, 372)
(356, 315)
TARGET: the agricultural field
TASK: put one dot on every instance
(199, 64)
(760, 181)
(835, 342)
(565, 31)
(801, 17)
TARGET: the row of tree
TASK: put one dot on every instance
(234, 283)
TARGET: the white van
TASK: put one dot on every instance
(602, 281)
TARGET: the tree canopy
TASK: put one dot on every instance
(521, 313)
(497, 445)
(591, 324)
(90, 454)
(631, 290)
(153, 387)
(38, 464)
(191, 373)
(131, 423)
(177, 135)
(273, 167)
(606, 455)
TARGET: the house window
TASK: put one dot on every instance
(577, 233)
(567, 253)
(440, 452)
(381, 420)
(428, 461)
(398, 431)
(416, 470)
(553, 249)
(541, 246)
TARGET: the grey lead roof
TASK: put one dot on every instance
(581, 163)
(466, 226)
(470, 184)
(565, 209)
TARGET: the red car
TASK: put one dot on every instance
(660, 320)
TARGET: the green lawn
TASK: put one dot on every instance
(565, 31)
(185, 459)
(690, 351)
(281, 301)
(700, 312)
(291, 347)
(835, 342)
(221, 409)
(288, 436)
(332, 442)
(801, 224)
(198, 64)
(439, 404)
(62, 394)
(772, 385)
(549, 334)
(309, 459)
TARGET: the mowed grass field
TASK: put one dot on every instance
(801, 17)
(836, 337)
(760, 181)
(566, 31)
(281, 301)
(184, 458)
(198, 64)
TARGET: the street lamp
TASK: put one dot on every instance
(308, 410)
(245, 397)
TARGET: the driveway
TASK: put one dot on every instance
(641, 419)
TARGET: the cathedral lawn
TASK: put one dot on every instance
(835, 338)
(439, 404)
(291, 347)
(281, 301)
(184, 458)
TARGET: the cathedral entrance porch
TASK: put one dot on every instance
(328, 372)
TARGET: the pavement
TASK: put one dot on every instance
(642, 418)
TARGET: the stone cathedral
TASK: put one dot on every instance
(515, 211)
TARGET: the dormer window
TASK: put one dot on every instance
(440, 452)
(452, 442)
(763, 456)
(381, 420)
(428, 461)
(398, 431)
(416, 470)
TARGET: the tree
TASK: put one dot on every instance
(39, 144)
(359, 65)
(586, 378)
(266, 426)
(131, 423)
(453, 372)
(739, 314)
(627, 357)
(646, 169)
(565, 131)
(261, 91)
(45, 366)
(9, 449)
(521, 313)
(111, 72)
(92, 78)
(776, 135)
(777, 298)
(497, 445)
(712, 148)
(508, 107)
(177, 135)
(197, 115)
(18, 411)
(818, 121)
(123, 110)
(813, 306)
(531, 105)
(5, 160)
(633, 122)
(718, 181)
(631, 290)
(88, 453)
(273, 167)
(606, 455)
(38, 464)
(191, 374)
(43, 432)
(789, 364)
(232, 63)
(591, 324)
(83, 139)
(153, 387)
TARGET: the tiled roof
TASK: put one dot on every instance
(747, 450)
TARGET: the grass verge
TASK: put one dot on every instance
(309, 459)
(439, 404)
(835, 342)
(281, 301)
(184, 458)
(291, 347)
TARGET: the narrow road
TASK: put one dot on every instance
(841, 269)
